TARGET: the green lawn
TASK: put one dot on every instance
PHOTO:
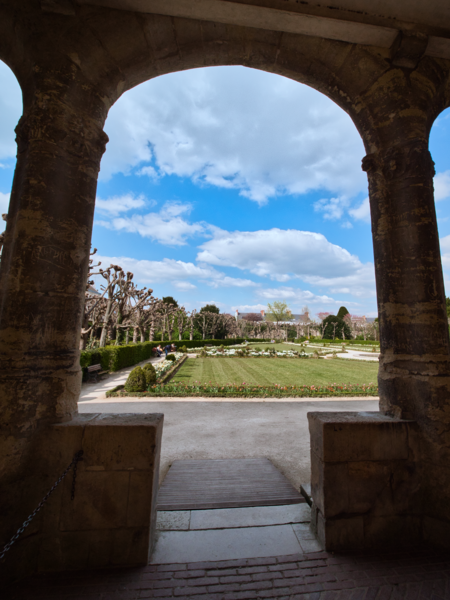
(281, 347)
(270, 371)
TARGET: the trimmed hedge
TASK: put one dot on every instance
(357, 342)
(201, 343)
(113, 358)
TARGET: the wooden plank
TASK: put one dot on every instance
(231, 483)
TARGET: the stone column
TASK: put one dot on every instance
(414, 376)
(45, 260)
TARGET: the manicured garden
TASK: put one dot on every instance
(255, 371)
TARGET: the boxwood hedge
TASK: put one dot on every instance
(113, 358)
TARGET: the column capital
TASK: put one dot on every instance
(57, 124)
(394, 162)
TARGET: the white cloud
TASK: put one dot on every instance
(333, 208)
(255, 308)
(4, 203)
(166, 226)
(296, 295)
(149, 172)
(10, 111)
(445, 251)
(184, 286)
(362, 212)
(279, 254)
(177, 272)
(119, 204)
(233, 127)
(442, 186)
(359, 283)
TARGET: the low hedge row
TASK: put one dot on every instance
(336, 341)
(113, 358)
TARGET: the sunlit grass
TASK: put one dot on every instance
(271, 371)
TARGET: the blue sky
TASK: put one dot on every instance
(237, 187)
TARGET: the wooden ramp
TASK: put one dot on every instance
(232, 483)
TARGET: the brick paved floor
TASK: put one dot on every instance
(317, 576)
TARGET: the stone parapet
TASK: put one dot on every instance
(111, 521)
(365, 480)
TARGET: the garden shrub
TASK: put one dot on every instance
(183, 349)
(171, 357)
(335, 327)
(150, 374)
(136, 381)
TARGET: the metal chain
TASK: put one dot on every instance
(76, 458)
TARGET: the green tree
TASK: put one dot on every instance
(278, 312)
(170, 300)
(212, 308)
(335, 327)
(447, 304)
(342, 312)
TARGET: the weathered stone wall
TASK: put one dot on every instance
(72, 68)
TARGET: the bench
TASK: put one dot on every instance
(94, 372)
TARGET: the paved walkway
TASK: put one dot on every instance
(410, 575)
(349, 353)
(202, 428)
(97, 391)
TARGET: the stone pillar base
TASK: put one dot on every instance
(111, 521)
(365, 481)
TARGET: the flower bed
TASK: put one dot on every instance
(245, 390)
(164, 366)
(236, 352)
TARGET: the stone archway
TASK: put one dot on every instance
(72, 66)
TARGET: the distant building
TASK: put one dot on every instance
(91, 292)
(296, 318)
(361, 320)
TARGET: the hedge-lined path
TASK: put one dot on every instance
(97, 391)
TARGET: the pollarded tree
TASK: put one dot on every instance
(182, 319)
(335, 327)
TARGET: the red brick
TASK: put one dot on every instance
(154, 576)
(261, 561)
(274, 593)
(174, 567)
(164, 583)
(265, 576)
(369, 582)
(290, 558)
(189, 591)
(163, 592)
(229, 587)
(220, 572)
(308, 587)
(251, 570)
(256, 585)
(312, 596)
(320, 578)
(239, 596)
(235, 579)
(187, 574)
(338, 585)
(283, 567)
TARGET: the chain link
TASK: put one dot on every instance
(74, 463)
